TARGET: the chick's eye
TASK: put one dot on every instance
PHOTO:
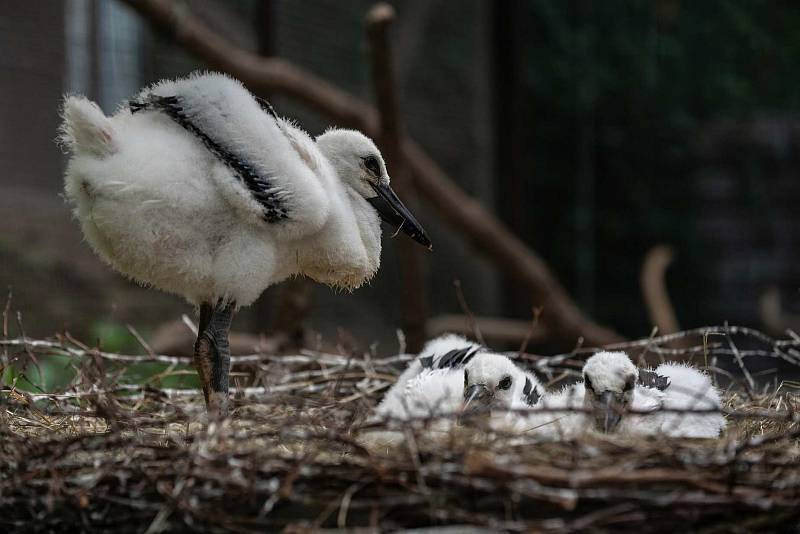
(587, 383)
(505, 383)
(371, 163)
(628, 385)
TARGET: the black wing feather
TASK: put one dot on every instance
(257, 184)
(457, 358)
(266, 106)
(530, 394)
(651, 379)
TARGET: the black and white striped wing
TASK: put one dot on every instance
(651, 379)
(258, 182)
(530, 393)
(454, 359)
(271, 172)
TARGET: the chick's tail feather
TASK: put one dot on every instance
(85, 129)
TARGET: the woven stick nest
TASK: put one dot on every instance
(105, 455)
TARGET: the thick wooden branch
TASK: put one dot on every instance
(488, 235)
(774, 317)
(495, 330)
(654, 289)
(480, 227)
(413, 271)
(656, 297)
(378, 20)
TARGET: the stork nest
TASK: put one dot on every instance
(102, 455)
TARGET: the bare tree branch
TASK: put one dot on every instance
(654, 289)
(413, 270)
(479, 226)
(495, 330)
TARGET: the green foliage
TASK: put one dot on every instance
(151, 373)
(53, 373)
(113, 337)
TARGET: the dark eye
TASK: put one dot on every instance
(505, 383)
(587, 384)
(371, 163)
(628, 385)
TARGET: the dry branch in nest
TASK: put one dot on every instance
(113, 456)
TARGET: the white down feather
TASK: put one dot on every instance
(159, 207)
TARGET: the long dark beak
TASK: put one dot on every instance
(477, 398)
(393, 212)
(608, 411)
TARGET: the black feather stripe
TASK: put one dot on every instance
(457, 358)
(651, 379)
(273, 210)
(266, 106)
(530, 394)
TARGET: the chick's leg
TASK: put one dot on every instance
(212, 357)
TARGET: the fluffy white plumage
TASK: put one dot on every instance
(423, 390)
(160, 207)
(427, 388)
(200, 189)
(439, 381)
(613, 378)
(685, 388)
(689, 389)
(547, 422)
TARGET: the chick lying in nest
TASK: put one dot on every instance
(455, 385)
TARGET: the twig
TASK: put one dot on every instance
(141, 340)
(750, 384)
(27, 349)
(471, 322)
(537, 312)
(6, 311)
(189, 324)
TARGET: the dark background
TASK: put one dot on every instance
(595, 130)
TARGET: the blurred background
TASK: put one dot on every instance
(600, 133)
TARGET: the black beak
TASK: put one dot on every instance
(393, 212)
(477, 398)
(608, 411)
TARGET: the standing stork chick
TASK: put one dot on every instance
(613, 385)
(198, 188)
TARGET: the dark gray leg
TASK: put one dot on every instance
(212, 357)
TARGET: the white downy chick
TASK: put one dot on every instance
(614, 385)
(455, 378)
